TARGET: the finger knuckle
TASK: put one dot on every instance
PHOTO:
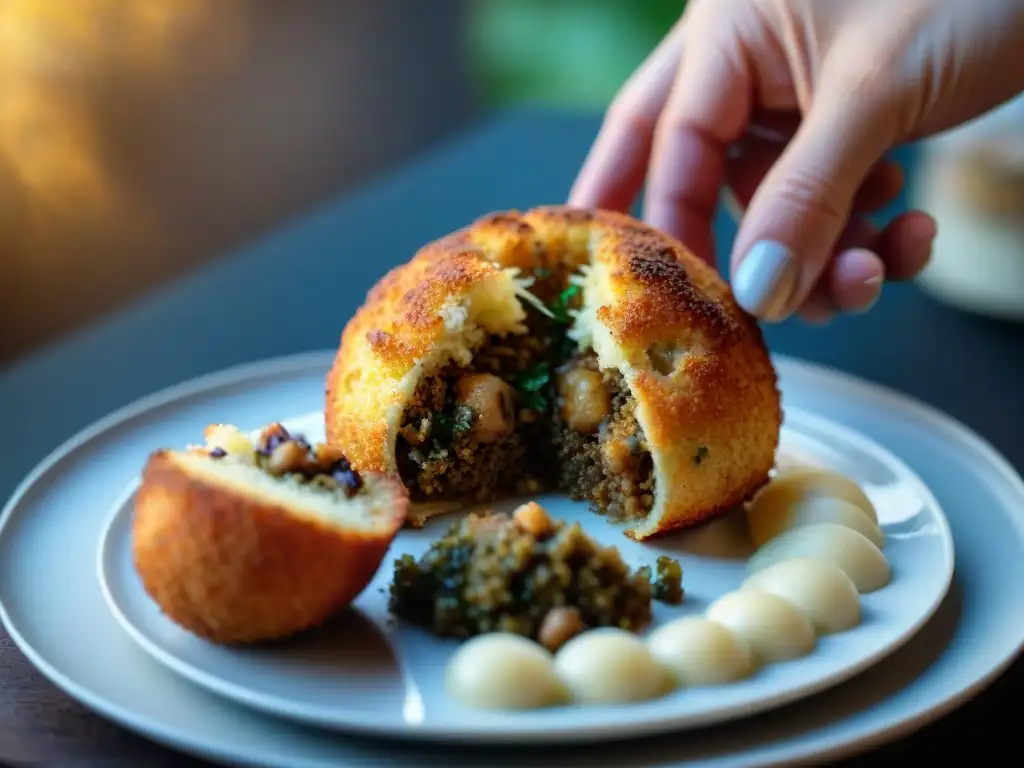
(807, 190)
(625, 115)
(872, 95)
(872, 58)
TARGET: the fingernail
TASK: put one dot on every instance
(874, 283)
(765, 280)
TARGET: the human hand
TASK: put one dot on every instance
(791, 105)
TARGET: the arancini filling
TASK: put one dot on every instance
(531, 413)
(480, 432)
(286, 457)
(602, 454)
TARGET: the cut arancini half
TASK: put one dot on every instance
(560, 349)
(242, 543)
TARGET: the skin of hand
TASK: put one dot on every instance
(791, 105)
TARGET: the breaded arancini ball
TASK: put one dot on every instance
(559, 348)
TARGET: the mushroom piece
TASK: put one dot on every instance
(493, 402)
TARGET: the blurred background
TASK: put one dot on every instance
(142, 138)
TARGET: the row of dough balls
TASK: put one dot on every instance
(819, 548)
(821, 515)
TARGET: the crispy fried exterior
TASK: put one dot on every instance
(706, 390)
(398, 325)
(233, 569)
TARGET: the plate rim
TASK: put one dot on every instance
(814, 747)
(497, 733)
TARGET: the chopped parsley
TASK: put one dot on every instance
(562, 346)
(700, 455)
(560, 306)
(532, 385)
(445, 428)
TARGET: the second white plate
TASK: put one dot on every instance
(366, 673)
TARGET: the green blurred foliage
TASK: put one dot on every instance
(569, 53)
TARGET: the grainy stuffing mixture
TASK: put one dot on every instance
(483, 432)
(532, 414)
(608, 464)
(667, 586)
(526, 574)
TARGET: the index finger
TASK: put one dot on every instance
(708, 108)
(613, 172)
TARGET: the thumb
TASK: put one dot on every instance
(794, 220)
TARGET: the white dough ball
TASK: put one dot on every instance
(772, 627)
(503, 671)
(850, 551)
(820, 590)
(771, 509)
(817, 509)
(701, 652)
(611, 666)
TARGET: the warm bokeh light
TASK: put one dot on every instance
(54, 56)
(141, 139)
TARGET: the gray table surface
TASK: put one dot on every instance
(303, 281)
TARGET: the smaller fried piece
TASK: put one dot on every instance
(241, 543)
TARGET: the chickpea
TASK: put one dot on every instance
(559, 626)
(493, 401)
(618, 457)
(533, 519)
(622, 453)
(288, 456)
(585, 402)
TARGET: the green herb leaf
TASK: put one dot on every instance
(535, 401)
(446, 427)
(700, 455)
(534, 378)
(560, 306)
(532, 384)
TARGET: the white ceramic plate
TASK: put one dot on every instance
(52, 606)
(368, 674)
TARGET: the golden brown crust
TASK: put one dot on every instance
(696, 363)
(231, 568)
(398, 325)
